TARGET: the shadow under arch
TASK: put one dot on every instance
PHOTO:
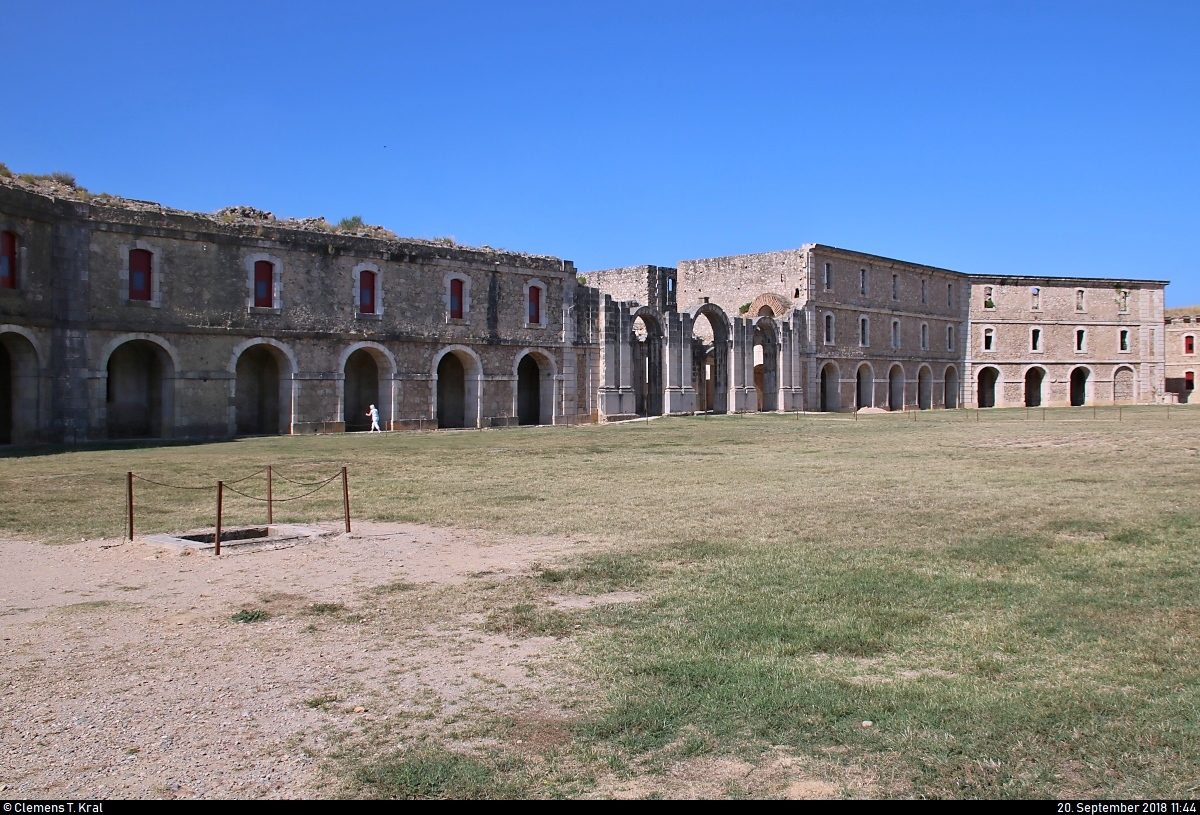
(830, 388)
(535, 374)
(647, 345)
(139, 387)
(20, 381)
(368, 378)
(710, 358)
(457, 387)
(263, 387)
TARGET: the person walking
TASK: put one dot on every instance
(374, 414)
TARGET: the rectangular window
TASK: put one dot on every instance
(1189, 344)
(1123, 300)
(8, 260)
(950, 295)
(1080, 335)
(988, 337)
(1035, 298)
(924, 295)
(988, 302)
(366, 292)
(924, 337)
(895, 287)
(862, 281)
(264, 283)
(828, 329)
(1035, 340)
(535, 304)
(1079, 299)
(1189, 381)
(456, 299)
(828, 277)
(895, 333)
(1124, 339)
(140, 264)
(864, 331)
(949, 338)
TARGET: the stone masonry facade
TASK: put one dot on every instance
(130, 320)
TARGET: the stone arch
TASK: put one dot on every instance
(1035, 382)
(950, 388)
(457, 387)
(20, 385)
(710, 362)
(647, 349)
(1124, 385)
(830, 388)
(777, 305)
(864, 386)
(924, 388)
(896, 388)
(263, 395)
(368, 378)
(1081, 385)
(535, 374)
(766, 368)
(139, 386)
(988, 381)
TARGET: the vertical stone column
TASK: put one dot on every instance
(611, 357)
(679, 396)
(624, 327)
(72, 419)
(741, 367)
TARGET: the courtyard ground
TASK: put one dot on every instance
(946, 604)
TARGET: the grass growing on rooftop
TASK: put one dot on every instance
(1010, 602)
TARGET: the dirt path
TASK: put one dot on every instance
(124, 674)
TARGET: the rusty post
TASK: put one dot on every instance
(346, 498)
(220, 498)
(270, 498)
(129, 501)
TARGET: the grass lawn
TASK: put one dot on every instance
(1011, 602)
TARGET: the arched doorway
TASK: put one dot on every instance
(138, 391)
(1079, 381)
(987, 387)
(361, 390)
(1123, 386)
(451, 392)
(646, 358)
(950, 388)
(1034, 378)
(710, 359)
(19, 379)
(830, 398)
(766, 364)
(896, 388)
(6, 397)
(924, 389)
(529, 391)
(260, 403)
(864, 392)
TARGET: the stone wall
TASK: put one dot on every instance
(1179, 361)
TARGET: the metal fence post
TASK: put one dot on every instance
(220, 496)
(129, 502)
(270, 498)
(346, 497)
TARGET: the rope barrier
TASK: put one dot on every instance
(284, 500)
(298, 483)
(172, 486)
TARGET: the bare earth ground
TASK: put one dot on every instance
(126, 676)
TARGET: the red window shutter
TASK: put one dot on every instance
(140, 264)
(8, 260)
(264, 284)
(366, 292)
(456, 299)
(535, 304)
(1190, 380)
(1189, 344)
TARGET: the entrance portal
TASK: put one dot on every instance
(646, 358)
(361, 390)
(924, 389)
(136, 390)
(987, 387)
(950, 389)
(830, 400)
(451, 392)
(529, 391)
(864, 395)
(710, 360)
(896, 388)
(1033, 387)
(258, 392)
(766, 365)
(1079, 378)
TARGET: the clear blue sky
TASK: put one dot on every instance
(1032, 138)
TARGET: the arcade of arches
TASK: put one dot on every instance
(138, 391)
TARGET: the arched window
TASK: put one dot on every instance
(829, 329)
(141, 264)
(1079, 300)
(535, 305)
(864, 331)
(924, 336)
(989, 339)
(8, 260)
(458, 296)
(895, 333)
(1189, 344)
(456, 299)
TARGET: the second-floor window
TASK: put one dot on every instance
(456, 299)
(988, 302)
(895, 287)
(1080, 339)
(924, 293)
(895, 333)
(828, 277)
(1035, 298)
(864, 331)
(1079, 299)
(264, 282)
(8, 260)
(1189, 344)
(141, 263)
(366, 292)
(828, 329)
(1035, 340)
(949, 338)
(989, 339)
(1124, 339)
(862, 281)
(535, 304)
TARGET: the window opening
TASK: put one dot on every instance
(949, 294)
(1079, 337)
(988, 302)
(456, 299)
(864, 331)
(988, 338)
(264, 281)
(924, 336)
(1124, 300)
(1035, 298)
(862, 281)
(1189, 344)
(366, 292)
(1189, 381)
(949, 338)
(1124, 339)
(828, 328)
(8, 260)
(1035, 340)
(140, 263)
(828, 277)
(895, 287)
(895, 333)
(1079, 299)
(535, 304)
(924, 297)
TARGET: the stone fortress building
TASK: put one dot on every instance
(123, 319)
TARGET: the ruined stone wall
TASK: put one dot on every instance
(654, 286)
(1122, 340)
(733, 282)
